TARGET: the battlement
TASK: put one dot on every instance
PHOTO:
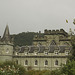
(39, 38)
(54, 32)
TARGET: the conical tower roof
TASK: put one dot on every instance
(6, 36)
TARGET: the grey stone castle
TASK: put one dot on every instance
(47, 52)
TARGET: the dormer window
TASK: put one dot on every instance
(67, 52)
(56, 52)
(16, 53)
(26, 53)
(46, 53)
(35, 52)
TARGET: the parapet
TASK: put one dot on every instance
(37, 38)
(54, 32)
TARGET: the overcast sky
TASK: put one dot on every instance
(36, 15)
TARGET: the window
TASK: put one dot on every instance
(46, 53)
(26, 53)
(16, 53)
(26, 62)
(36, 62)
(67, 52)
(46, 62)
(56, 62)
(35, 53)
(56, 52)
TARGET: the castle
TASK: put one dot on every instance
(48, 51)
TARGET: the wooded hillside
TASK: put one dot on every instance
(24, 38)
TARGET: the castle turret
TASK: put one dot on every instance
(6, 35)
(6, 47)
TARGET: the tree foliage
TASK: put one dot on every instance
(24, 38)
(72, 56)
(69, 68)
(11, 68)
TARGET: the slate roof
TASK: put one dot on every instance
(33, 48)
(23, 49)
(6, 35)
(63, 48)
(41, 49)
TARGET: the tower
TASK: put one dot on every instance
(6, 46)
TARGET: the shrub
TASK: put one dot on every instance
(10, 68)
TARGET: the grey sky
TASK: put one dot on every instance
(35, 15)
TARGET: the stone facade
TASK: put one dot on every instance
(48, 51)
(6, 46)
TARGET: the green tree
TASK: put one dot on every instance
(69, 68)
(72, 56)
(11, 68)
(24, 38)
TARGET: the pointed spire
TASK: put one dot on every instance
(6, 36)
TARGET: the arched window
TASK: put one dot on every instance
(53, 42)
(56, 62)
(46, 62)
(26, 62)
(36, 62)
(67, 52)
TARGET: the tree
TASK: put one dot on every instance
(72, 56)
(69, 68)
(11, 68)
